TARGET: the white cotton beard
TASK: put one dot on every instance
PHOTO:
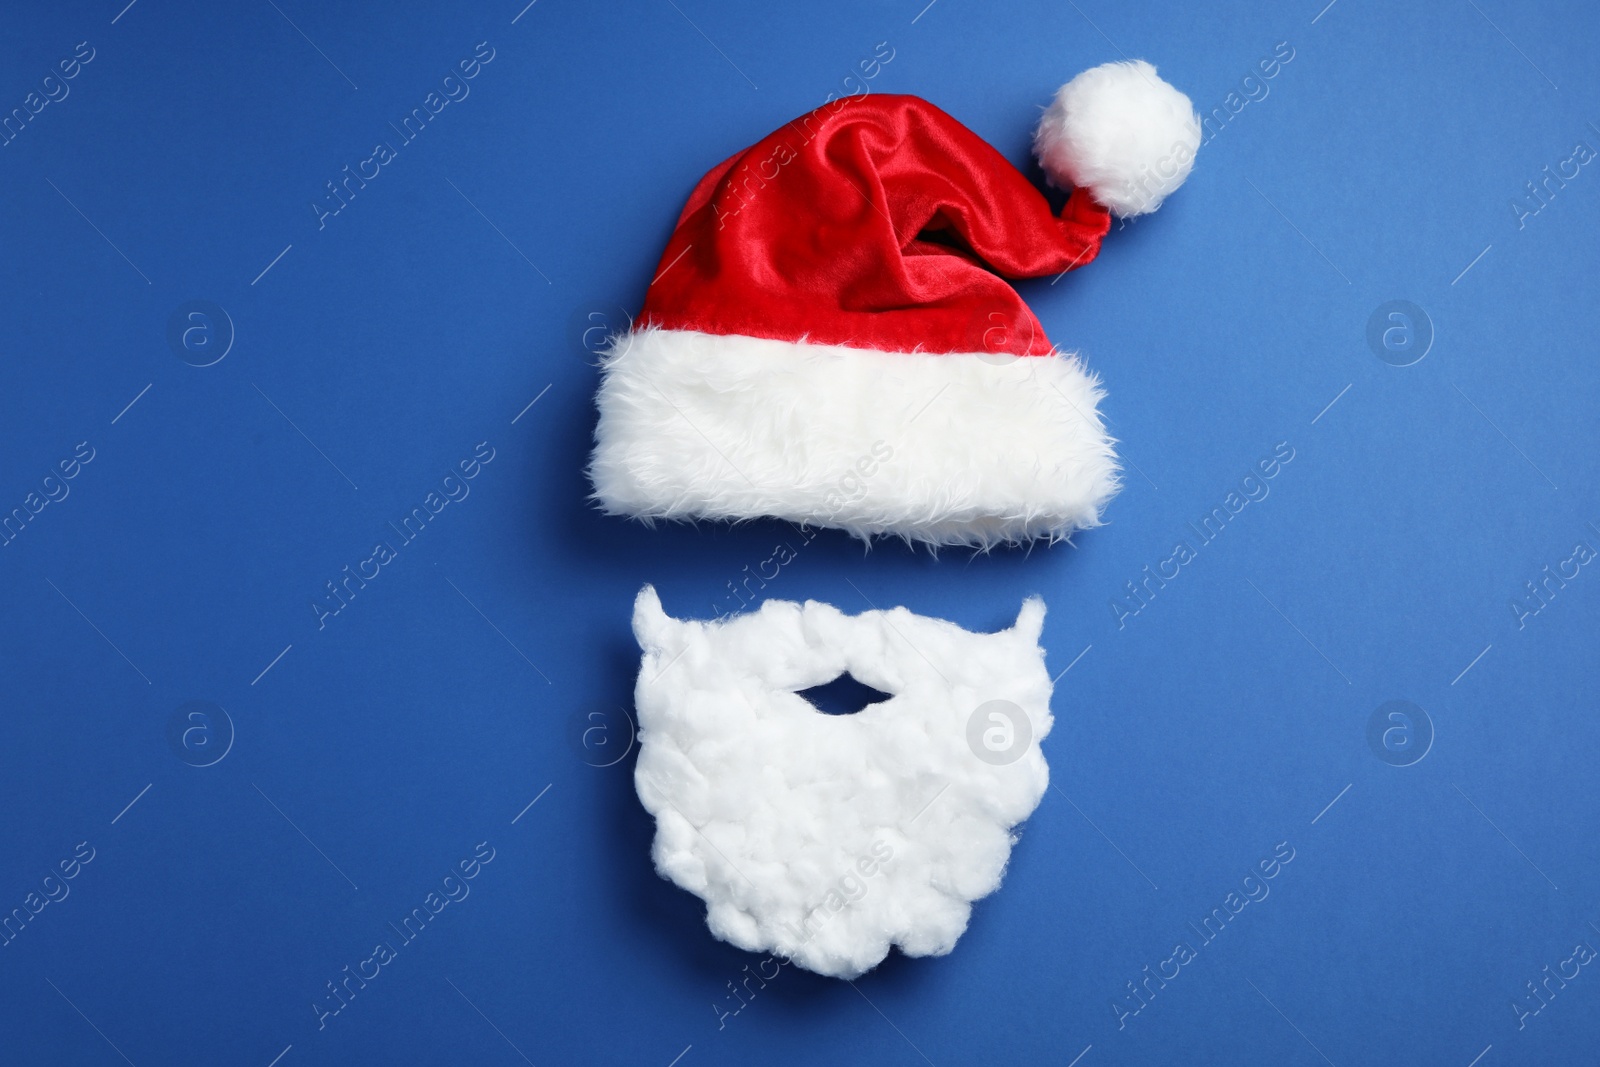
(827, 839)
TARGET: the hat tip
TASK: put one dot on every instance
(1121, 132)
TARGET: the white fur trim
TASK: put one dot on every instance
(969, 448)
(826, 839)
(1122, 133)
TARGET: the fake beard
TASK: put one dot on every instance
(827, 839)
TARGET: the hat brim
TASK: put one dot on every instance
(951, 449)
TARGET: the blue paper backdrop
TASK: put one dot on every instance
(249, 794)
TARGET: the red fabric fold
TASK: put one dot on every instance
(876, 222)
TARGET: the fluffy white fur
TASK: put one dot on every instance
(1122, 133)
(826, 839)
(946, 449)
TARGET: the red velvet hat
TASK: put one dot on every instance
(830, 338)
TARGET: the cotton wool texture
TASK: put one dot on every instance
(827, 839)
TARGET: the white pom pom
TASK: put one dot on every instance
(1121, 132)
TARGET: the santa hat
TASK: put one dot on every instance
(829, 338)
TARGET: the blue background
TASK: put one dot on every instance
(372, 354)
